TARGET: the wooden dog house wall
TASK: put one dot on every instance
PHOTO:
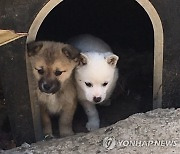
(27, 16)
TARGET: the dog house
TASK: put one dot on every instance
(120, 23)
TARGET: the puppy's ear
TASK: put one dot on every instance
(33, 48)
(71, 52)
(112, 60)
(83, 59)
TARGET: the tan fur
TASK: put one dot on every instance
(50, 57)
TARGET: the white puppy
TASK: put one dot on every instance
(95, 76)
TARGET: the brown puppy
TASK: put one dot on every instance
(53, 64)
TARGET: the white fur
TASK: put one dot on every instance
(97, 71)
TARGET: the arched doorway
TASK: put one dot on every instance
(53, 24)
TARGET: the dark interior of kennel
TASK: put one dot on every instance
(127, 28)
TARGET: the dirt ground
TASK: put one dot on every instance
(133, 94)
(152, 132)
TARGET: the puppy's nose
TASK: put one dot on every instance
(46, 86)
(97, 99)
(49, 86)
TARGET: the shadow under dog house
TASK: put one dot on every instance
(16, 75)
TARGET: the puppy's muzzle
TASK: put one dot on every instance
(49, 86)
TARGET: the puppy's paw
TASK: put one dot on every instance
(65, 133)
(48, 137)
(92, 125)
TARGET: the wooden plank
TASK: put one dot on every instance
(7, 36)
(16, 92)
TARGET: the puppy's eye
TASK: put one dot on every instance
(88, 84)
(40, 71)
(58, 73)
(105, 84)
